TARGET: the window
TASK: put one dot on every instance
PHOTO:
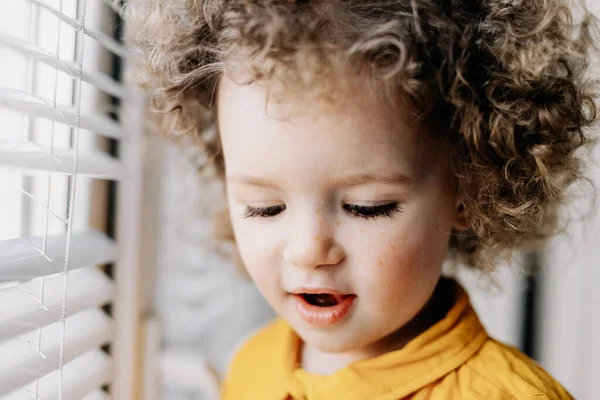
(69, 176)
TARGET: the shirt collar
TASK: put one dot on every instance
(434, 353)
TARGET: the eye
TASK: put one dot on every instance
(384, 210)
(270, 211)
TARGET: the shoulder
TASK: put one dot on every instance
(257, 360)
(505, 371)
(258, 341)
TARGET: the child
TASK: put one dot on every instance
(362, 144)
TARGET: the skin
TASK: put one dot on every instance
(306, 164)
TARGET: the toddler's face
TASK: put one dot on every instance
(342, 218)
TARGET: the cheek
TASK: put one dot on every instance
(261, 264)
(399, 268)
(258, 253)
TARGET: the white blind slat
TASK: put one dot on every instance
(104, 40)
(57, 63)
(21, 362)
(22, 308)
(81, 376)
(97, 395)
(21, 260)
(91, 164)
(39, 107)
(98, 79)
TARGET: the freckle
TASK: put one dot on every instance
(316, 238)
(362, 230)
(380, 262)
(393, 247)
(321, 223)
(437, 227)
(338, 223)
(318, 211)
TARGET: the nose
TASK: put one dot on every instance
(312, 244)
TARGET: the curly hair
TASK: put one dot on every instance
(504, 83)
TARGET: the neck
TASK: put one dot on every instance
(323, 363)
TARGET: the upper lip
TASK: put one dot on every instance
(305, 290)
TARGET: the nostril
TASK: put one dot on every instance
(313, 250)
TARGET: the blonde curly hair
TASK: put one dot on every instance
(503, 83)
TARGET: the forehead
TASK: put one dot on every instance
(357, 131)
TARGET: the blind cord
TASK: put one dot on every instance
(81, 7)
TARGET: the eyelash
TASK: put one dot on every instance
(372, 212)
(383, 210)
(266, 212)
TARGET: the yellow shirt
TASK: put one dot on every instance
(453, 359)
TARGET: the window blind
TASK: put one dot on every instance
(61, 119)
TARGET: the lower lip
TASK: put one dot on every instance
(322, 316)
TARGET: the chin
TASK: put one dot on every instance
(329, 341)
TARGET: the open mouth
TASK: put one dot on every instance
(323, 299)
(321, 309)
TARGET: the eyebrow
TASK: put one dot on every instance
(347, 181)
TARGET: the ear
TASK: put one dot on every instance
(461, 216)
